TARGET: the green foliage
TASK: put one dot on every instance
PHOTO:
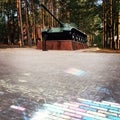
(98, 40)
(85, 13)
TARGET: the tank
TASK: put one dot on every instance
(64, 31)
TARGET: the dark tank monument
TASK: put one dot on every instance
(64, 37)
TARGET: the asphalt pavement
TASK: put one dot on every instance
(30, 77)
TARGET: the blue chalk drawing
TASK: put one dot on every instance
(103, 90)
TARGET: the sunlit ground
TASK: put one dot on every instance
(37, 85)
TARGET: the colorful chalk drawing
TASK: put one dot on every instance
(103, 90)
(1, 93)
(41, 115)
(17, 107)
(75, 71)
(81, 109)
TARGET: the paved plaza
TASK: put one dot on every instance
(31, 79)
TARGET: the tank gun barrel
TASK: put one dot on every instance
(43, 6)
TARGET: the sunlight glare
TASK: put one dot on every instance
(40, 115)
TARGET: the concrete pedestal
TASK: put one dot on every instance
(62, 45)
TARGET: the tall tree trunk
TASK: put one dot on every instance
(43, 15)
(111, 25)
(20, 24)
(104, 27)
(34, 23)
(27, 24)
(119, 30)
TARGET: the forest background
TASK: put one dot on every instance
(99, 19)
